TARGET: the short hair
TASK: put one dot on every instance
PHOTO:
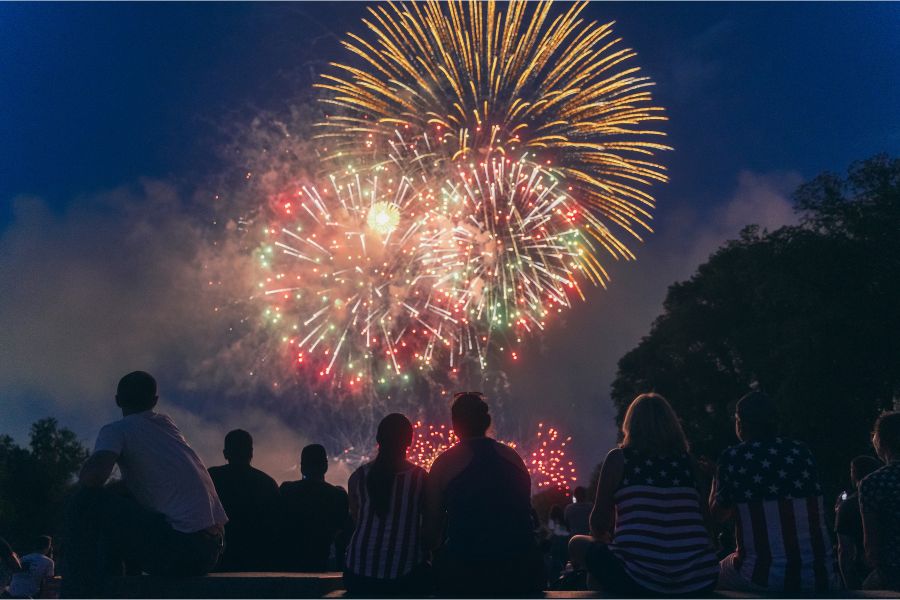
(42, 542)
(757, 413)
(470, 415)
(136, 391)
(238, 445)
(652, 427)
(395, 434)
(863, 466)
(580, 493)
(887, 428)
(313, 460)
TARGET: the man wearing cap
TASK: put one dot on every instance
(770, 487)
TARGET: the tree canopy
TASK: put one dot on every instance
(809, 313)
(34, 481)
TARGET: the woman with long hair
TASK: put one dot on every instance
(648, 527)
(385, 555)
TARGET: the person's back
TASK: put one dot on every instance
(770, 485)
(879, 502)
(37, 571)
(488, 502)
(250, 498)
(312, 512)
(481, 489)
(848, 526)
(578, 513)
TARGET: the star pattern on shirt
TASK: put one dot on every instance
(656, 471)
(767, 470)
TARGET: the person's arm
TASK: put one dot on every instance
(97, 469)
(353, 496)
(847, 560)
(721, 505)
(603, 516)
(433, 515)
(872, 536)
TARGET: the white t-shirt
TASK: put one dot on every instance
(162, 471)
(35, 569)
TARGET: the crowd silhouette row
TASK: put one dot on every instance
(467, 526)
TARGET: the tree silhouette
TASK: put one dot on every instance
(807, 313)
(34, 481)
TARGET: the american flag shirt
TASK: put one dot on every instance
(660, 535)
(782, 541)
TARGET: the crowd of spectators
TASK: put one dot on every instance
(467, 526)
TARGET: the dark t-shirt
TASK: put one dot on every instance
(250, 499)
(880, 493)
(312, 513)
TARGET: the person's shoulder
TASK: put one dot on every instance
(616, 455)
(217, 470)
(261, 477)
(730, 453)
(447, 458)
(289, 487)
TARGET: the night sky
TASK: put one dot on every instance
(110, 120)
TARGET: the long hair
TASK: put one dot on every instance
(395, 434)
(652, 427)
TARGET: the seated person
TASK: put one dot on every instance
(769, 485)
(879, 502)
(312, 512)
(385, 556)
(848, 526)
(35, 580)
(170, 523)
(250, 498)
(649, 534)
(9, 565)
(578, 513)
(479, 493)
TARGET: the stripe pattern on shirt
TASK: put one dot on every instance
(388, 547)
(660, 536)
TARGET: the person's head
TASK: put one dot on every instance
(861, 467)
(755, 417)
(556, 513)
(43, 544)
(394, 436)
(313, 462)
(136, 392)
(652, 427)
(886, 437)
(470, 415)
(580, 493)
(238, 447)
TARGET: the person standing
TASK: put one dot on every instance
(770, 486)
(170, 523)
(649, 534)
(250, 499)
(479, 492)
(35, 578)
(385, 555)
(879, 503)
(313, 512)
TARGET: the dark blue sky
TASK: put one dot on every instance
(759, 95)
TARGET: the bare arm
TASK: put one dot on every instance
(603, 516)
(717, 512)
(847, 560)
(97, 469)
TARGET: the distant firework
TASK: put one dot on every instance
(544, 454)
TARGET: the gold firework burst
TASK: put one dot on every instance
(474, 81)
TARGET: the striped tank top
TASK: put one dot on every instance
(388, 547)
(660, 535)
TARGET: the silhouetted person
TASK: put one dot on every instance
(313, 512)
(559, 542)
(385, 555)
(171, 523)
(250, 498)
(770, 486)
(879, 502)
(9, 565)
(478, 512)
(649, 534)
(848, 526)
(578, 513)
(36, 576)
